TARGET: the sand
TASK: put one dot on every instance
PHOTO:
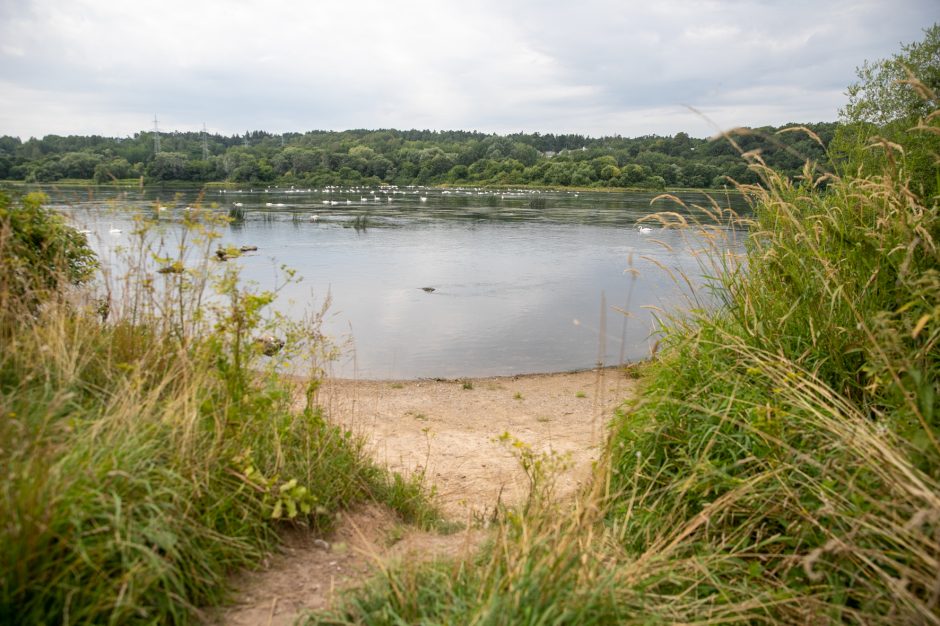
(459, 433)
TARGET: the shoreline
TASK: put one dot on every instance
(218, 185)
(630, 369)
(465, 444)
(459, 433)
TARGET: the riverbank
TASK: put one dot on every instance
(147, 457)
(451, 429)
(180, 185)
(453, 433)
(780, 464)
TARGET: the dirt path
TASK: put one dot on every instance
(450, 430)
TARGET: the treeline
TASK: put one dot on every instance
(420, 157)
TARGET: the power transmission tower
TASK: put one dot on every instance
(156, 135)
(205, 143)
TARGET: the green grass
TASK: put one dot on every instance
(780, 463)
(148, 455)
(806, 405)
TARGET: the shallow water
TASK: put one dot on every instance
(518, 277)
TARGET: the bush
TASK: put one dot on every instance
(39, 253)
(147, 456)
(790, 439)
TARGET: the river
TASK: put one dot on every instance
(448, 283)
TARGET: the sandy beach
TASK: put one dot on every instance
(450, 430)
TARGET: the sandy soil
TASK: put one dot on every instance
(308, 573)
(451, 431)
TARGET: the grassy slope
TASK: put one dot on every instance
(782, 463)
(147, 456)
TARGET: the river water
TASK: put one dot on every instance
(523, 281)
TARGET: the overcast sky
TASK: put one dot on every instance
(595, 67)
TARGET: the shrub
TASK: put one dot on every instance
(39, 253)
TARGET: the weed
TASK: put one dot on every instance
(395, 534)
(148, 445)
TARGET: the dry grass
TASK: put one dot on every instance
(149, 446)
(781, 464)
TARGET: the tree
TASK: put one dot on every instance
(524, 153)
(39, 252)
(457, 173)
(885, 109)
(79, 164)
(240, 165)
(881, 96)
(167, 166)
(44, 171)
(114, 169)
(600, 163)
(632, 175)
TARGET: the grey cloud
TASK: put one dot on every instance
(596, 67)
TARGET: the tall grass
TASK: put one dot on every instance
(807, 406)
(781, 464)
(148, 445)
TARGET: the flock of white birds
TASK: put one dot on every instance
(339, 195)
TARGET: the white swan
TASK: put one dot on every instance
(114, 231)
(645, 230)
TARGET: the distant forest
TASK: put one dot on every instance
(413, 157)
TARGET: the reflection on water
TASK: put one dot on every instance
(518, 277)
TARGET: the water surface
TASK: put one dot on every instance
(518, 277)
